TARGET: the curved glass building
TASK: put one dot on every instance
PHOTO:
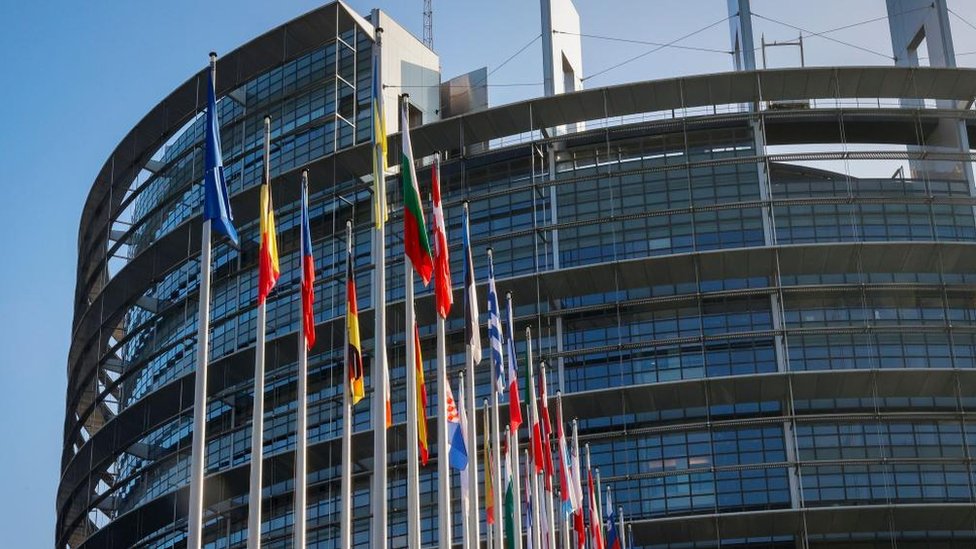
(754, 289)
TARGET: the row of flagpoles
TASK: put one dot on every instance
(512, 510)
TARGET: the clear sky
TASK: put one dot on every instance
(79, 75)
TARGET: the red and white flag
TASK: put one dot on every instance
(443, 291)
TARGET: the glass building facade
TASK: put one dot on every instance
(768, 339)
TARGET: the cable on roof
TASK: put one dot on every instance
(644, 42)
(872, 20)
(659, 48)
(961, 18)
(499, 85)
(492, 71)
(514, 55)
(823, 35)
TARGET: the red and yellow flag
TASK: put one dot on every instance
(354, 353)
(421, 398)
(268, 270)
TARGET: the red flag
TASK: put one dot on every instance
(442, 264)
(580, 528)
(308, 276)
(546, 429)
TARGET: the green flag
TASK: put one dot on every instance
(509, 508)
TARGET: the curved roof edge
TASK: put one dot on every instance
(302, 33)
(271, 49)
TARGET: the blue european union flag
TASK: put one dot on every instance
(216, 203)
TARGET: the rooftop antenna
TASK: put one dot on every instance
(794, 43)
(429, 24)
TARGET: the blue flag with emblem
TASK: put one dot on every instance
(495, 329)
(216, 203)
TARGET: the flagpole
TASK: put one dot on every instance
(507, 472)
(489, 471)
(630, 535)
(443, 470)
(199, 441)
(514, 432)
(379, 495)
(497, 451)
(527, 523)
(532, 535)
(533, 426)
(413, 461)
(472, 450)
(565, 483)
(444, 537)
(547, 447)
(474, 526)
(345, 512)
(599, 505)
(200, 397)
(620, 521)
(257, 419)
(566, 526)
(577, 473)
(589, 501)
(301, 417)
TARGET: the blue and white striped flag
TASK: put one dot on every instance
(495, 329)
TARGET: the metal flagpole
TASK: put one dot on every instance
(576, 471)
(589, 500)
(489, 471)
(546, 447)
(517, 483)
(566, 527)
(301, 415)
(529, 525)
(599, 504)
(496, 451)
(567, 486)
(535, 532)
(200, 397)
(345, 513)
(257, 420)
(630, 535)
(472, 449)
(413, 460)
(474, 526)
(379, 495)
(533, 425)
(199, 441)
(620, 520)
(496, 435)
(506, 470)
(444, 537)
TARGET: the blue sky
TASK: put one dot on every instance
(78, 75)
